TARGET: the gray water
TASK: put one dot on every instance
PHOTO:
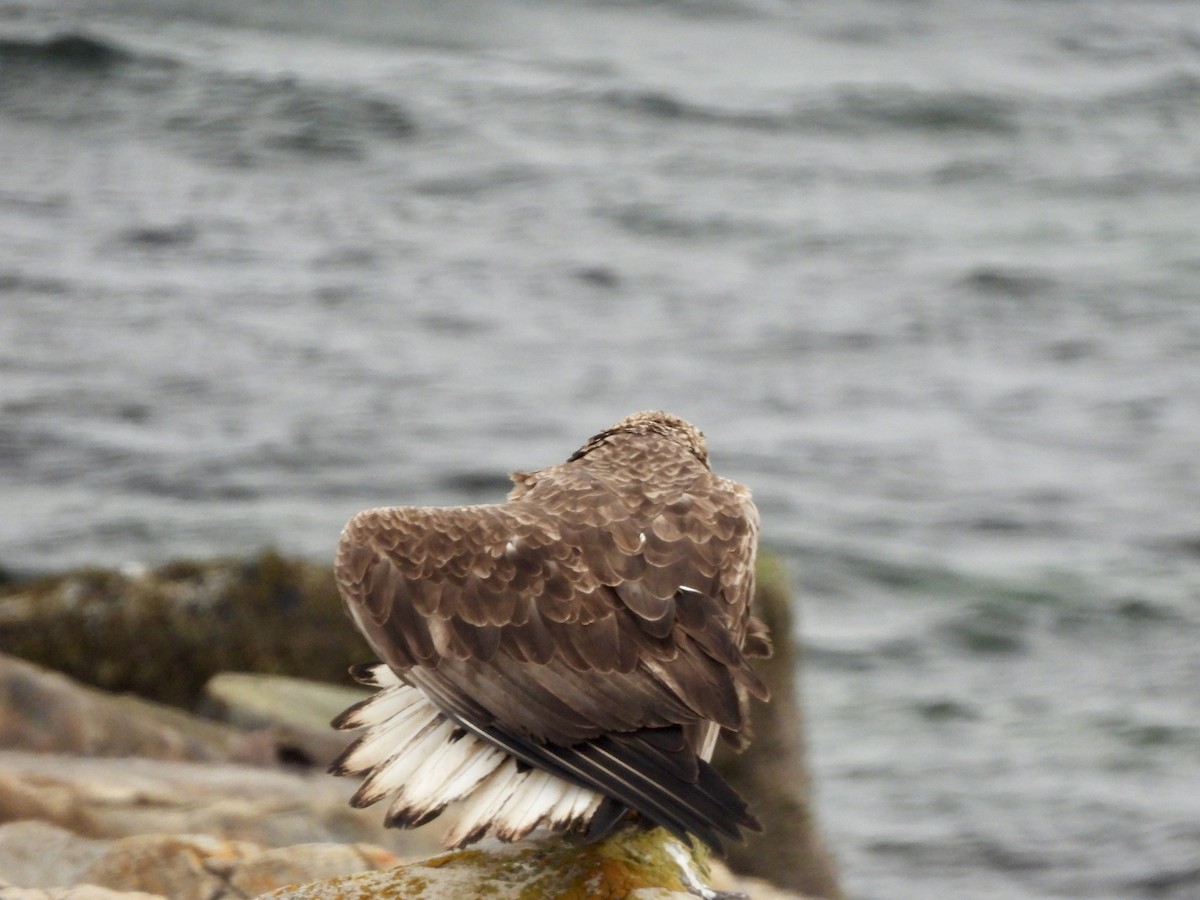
(928, 275)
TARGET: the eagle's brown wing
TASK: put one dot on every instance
(586, 630)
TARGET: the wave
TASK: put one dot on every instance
(238, 120)
(1144, 731)
(695, 9)
(1006, 281)
(81, 53)
(845, 109)
(224, 117)
(974, 613)
(15, 282)
(1176, 90)
(910, 109)
(989, 627)
(663, 105)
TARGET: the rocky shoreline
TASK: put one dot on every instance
(155, 741)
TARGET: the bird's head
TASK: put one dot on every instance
(655, 422)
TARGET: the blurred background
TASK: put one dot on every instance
(927, 274)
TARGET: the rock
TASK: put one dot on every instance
(254, 701)
(163, 633)
(110, 798)
(167, 632)
(772, 774)
(296, 712)
(273, 869)
(633, 863)
(78, 892)
(199, 867)
(181, 867)
(46, 712)
(40, 855)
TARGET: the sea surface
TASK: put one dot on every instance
(927, 273)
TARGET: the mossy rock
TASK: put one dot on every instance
(164, 633)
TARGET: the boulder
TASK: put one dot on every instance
(304, 863)
(199, 867)
(181, 867)
(40, 855)
(76, 892)
(250, 701)
(111, 798)
(633, 863)
(295, 711)
(772, 774)
(46, 712)
(164, 632)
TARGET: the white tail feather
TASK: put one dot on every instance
(529, 805)
(485, 803)
(381, 675)
(393, 774)
(414, 752)
(577, 803)
(534, 804)
(381, 741)
(389, 702)
(451, 772)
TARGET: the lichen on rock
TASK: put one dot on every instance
(632, 862)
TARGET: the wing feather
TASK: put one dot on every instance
(588, 610)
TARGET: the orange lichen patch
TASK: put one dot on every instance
(377, 857)
(449, 859)
(168, 865)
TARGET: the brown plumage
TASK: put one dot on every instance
(594, 627)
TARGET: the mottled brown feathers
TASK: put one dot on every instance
(596, 625)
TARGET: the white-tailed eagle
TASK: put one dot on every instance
(568, 658)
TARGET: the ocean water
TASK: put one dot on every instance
(927, 273)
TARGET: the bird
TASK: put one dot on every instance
(565, 660)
